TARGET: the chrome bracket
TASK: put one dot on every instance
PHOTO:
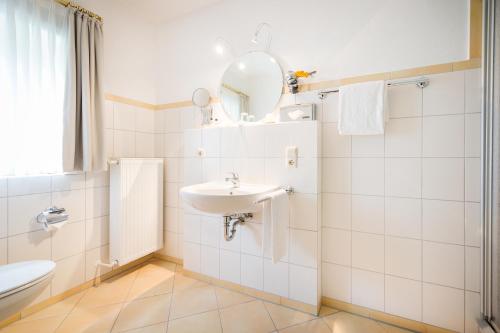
(422, 84)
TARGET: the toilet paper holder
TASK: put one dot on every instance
(52, 215)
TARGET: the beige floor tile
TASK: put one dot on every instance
(393, 329)
(90, 320)
(208, 322)
(226, 297)
(251, 317)
(143, 312)
(326, 311)
(284, 317)
(155, 278)
(62, 307)
(109, 292)
(45, 325)
(182, 282)
(158, 328)
(313, 326)
(346, 322)
(192, 301)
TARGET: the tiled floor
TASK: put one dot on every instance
(156, 299)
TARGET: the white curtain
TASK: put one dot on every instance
(51, 92)
(83, 137)
(235, 103)
(33, 55)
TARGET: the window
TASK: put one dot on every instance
(33, 55)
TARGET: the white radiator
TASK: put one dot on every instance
(136, 208)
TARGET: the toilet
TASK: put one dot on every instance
(21, 283)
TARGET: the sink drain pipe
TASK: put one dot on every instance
(230, 223)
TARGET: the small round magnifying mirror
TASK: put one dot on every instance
(201, 97)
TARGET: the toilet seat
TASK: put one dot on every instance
(19, 276)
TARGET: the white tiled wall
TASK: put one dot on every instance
(401, 211)
(256, 153)
(169, 126)
(84, 239)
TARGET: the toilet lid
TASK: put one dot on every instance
(16, 275)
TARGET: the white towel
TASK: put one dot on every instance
(363, 108)
(275, 217)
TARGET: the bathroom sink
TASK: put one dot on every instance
(223, 199)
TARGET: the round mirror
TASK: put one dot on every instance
(201, 97)
(251, 86)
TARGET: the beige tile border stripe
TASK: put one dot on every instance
(129, 101)
(246, 290)
(168, 258)
(272, 298)
(401, 74)
(409, 324)
(149, 106)
(475, 28)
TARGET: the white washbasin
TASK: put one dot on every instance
(223, 199)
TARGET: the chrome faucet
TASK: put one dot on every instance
(234, 179)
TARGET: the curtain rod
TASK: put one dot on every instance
(67, 3)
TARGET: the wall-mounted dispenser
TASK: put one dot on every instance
(298, 112)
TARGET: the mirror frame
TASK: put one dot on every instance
(233, 62)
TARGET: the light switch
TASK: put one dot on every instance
(291, 153)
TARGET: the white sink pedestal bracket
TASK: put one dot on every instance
(230, 223)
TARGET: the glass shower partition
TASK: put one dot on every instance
(490, 179)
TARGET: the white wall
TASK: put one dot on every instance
(401, 212)
(166, 63)
(129, 49)
(369, 184)
(337, 38)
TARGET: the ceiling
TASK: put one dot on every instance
(162, 11)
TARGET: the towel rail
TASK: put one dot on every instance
(288, 189)
(420, 82)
